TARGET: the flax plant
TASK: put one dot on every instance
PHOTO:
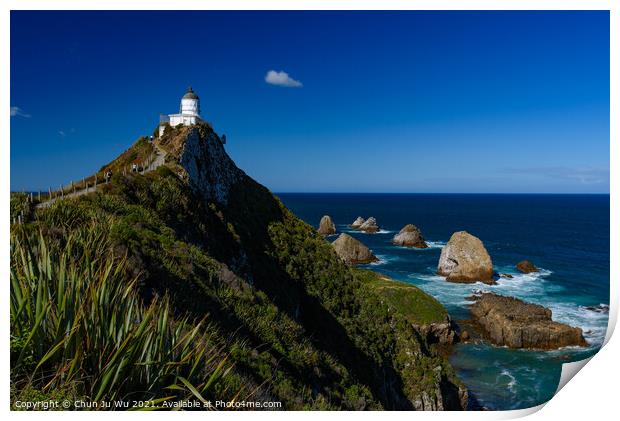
(76, 319)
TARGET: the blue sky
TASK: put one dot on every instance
(467, 102)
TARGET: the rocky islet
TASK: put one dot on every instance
(410, 236)
(514, 323)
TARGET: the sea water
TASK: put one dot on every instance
(566, 236)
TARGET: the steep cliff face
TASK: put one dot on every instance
(299, 270)
(209, 168)
(306, 329)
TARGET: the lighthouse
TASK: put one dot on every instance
(189, 112)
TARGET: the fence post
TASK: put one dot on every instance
(49, 193)
(62, 192)
(95, 181)
(39, 196)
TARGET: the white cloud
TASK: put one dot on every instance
(62, 133)
(282, 78)
(18, 112)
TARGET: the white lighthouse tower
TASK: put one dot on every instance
(189, 112)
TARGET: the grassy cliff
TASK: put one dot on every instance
(198, 248)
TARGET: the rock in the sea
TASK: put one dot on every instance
(410, 236)
(506, 275)
(358, 222)
(352, 251)
(326, 226)
(526, 266)
(464, 336)
(514, 323)
(601, 308)
(370, 225)
(464, 259)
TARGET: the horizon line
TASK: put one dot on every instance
(435, 193)
(446, 193)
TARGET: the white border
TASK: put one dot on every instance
(592, 395)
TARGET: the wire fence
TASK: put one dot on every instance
(89, 184)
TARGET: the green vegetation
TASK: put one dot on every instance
(20, 206)
(75, 325)
(410, 301)
(139, 153)
(240, 299)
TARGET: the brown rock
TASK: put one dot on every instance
(442, 332)
(410, 236)
(326, 226)
(358, 222)
(464, 335)
(517, 324)
(370, 225)
(464, 259)
(526, 266)
(353, 251)
(506, 275)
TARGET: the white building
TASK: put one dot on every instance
(188, 115)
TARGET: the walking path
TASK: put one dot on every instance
(160, 158)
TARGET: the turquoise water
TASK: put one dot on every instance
(567, 236)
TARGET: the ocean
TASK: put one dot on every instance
(566, 236)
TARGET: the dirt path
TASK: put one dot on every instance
(160, 158)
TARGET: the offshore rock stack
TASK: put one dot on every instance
(465, 260)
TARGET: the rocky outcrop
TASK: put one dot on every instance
(464, 259)
(210, 171)
(352, 251)
(410, 236)
(443, 333)
(514, 323)
(506, 275)
(358, 222)
(445, 396)
(601, 308)
(526, 266)
(326, 226)
(370, 225)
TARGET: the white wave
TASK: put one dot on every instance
(436, 244)
(526, 285)
(383, 259)
(512, 380)
(532, 287)
(381, 231)
(592, 323)
(448, 293)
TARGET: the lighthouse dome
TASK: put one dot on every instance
(190, 94)
(190, 103)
